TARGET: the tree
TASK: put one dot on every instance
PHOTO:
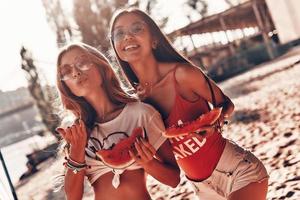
(197, 8)
(42, 97)
(58, 21)
(88, 22)
(229, 3)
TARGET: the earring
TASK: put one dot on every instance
(154, 45)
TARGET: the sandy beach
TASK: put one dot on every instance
(266, 122)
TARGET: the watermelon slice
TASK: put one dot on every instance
(118, 157)
(194, 126)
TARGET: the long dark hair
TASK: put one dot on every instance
(164, 52)
(78, 105)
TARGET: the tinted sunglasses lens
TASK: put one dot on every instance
(65, 72)
(118, 35)
(84, 66)
(137, 28)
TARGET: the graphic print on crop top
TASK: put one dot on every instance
(96, 144)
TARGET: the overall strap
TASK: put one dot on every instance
(174, 77)
(213, 97)
(218, 124)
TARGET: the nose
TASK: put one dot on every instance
(128, 36)
(76, 72)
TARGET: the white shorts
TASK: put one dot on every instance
(236, 169)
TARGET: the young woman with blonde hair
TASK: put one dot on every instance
(106, 115)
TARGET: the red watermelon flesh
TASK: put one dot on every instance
(118, 157)
(185, 128)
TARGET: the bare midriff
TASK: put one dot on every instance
(132, 186)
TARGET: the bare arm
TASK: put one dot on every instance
(74, 183)
(76, 136)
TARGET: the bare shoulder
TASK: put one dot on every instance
(166, 68)
(187, 73)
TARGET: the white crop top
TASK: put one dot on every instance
(104, 135)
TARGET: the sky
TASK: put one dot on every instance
(23, 22)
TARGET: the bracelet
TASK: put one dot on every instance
(75, 163)
(74, 169)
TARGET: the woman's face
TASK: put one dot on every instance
(132, 38)
(78, 72)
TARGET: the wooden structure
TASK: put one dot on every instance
(250, 14)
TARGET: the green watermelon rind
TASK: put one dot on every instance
(188, 127)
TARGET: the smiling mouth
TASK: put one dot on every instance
(131, 47)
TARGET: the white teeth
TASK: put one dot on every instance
(130, 46)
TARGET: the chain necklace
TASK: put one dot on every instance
(144, 90)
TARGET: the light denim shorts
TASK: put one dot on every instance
(236, 169)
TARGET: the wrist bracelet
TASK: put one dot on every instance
(74, 169)
(74, 163)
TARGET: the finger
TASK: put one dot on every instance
(80, 135)
(204, 132)
(132, 155)
(83, 127)
(81, 124)
(69, 137)
(204, 129)
(74, 134)
(148, 154)
(149, 147)
(139, 150)
(201, 132)
(61, 131)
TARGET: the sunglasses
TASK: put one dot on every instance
(82, 63)
(134, 29)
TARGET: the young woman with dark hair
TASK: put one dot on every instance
(216, 167)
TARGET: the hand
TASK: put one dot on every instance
(223, 119)
(203, 132)
(145, 152)
(76, 136)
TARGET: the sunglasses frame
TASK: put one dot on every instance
(128, 30)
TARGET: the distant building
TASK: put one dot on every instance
(13, 99)
(240, 37)
(286, 18)
(19, 118)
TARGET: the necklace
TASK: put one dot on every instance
(148, 87)
(144, 90)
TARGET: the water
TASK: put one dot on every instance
(5, 192)
(15, 155)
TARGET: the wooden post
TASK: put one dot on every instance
(224, 27)
(194, 46)
(262, 29)
(8, 178)
(213, 42)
